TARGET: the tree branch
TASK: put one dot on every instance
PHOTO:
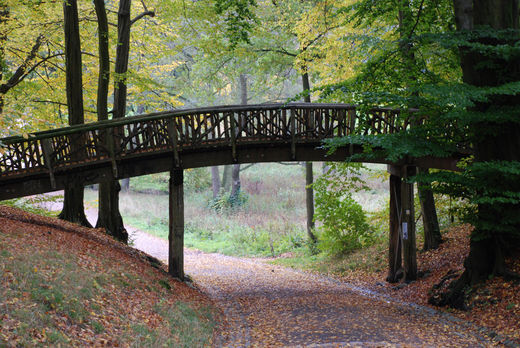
(20, 73)
(144, 14)
(281, 51)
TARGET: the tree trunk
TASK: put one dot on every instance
(215, 181)
(122, 53)
(73, 209)
(309, 201)
(486, 254)
(109, 216)
(4, 13)
(432, 233)
(104, 60)
(226, 178)
(235, 180)
(309, 180)
(235, 173)
(108, 200)
(125, 184)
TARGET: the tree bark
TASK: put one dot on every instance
(124, 24)
(4, 13)
(109, 216)
(226, 178)
(432, 232)
(215, 181)
(486, 254)
(235, 172)
(309, 180)
(73, 208)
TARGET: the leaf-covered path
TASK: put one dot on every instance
(268, 305)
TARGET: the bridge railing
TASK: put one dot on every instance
(175, 131)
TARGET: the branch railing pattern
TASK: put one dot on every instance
(228, 126)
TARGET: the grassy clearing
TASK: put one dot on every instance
(269, 223)
(57, 289)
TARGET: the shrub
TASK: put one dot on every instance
(344, 223)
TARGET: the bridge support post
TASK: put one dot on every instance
(408, 225)
(176, 225)
(395, 242)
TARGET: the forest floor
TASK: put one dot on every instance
(276, 306)
(62, 285)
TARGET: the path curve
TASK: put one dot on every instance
(274, 306)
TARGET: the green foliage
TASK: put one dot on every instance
(344, 224)
(239, 17)
(35, 204)
(227, 202)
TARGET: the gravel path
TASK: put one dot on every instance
(274, 306)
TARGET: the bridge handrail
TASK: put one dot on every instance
(185, 129)
(174, 113)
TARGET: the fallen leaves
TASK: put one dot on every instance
(61, 284)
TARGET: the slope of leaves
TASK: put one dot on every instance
(65, 285)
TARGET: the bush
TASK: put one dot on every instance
(344, 223)
(226, 202)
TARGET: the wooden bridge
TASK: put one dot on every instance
(176, 140)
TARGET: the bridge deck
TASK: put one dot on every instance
(138, 145)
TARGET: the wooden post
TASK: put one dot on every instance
(408, 225)
(394, 245)
(176, 225)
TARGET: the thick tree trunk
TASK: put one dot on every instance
(104, 60)
(486, 254)
(73, 209)
(109, 216)
(432, 232)
(226, 178)
(124, 24)
(215, 181)
(108, 200)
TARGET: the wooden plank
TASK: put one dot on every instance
(408, 226)
(232, 123)
(292, 118)
(176, 225)
(395, 243)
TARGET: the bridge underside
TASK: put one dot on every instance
(41, 182)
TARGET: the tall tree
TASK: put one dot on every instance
(491, 26)
(73, 208)
(109, 216)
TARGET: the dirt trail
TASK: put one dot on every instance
(274, 306)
